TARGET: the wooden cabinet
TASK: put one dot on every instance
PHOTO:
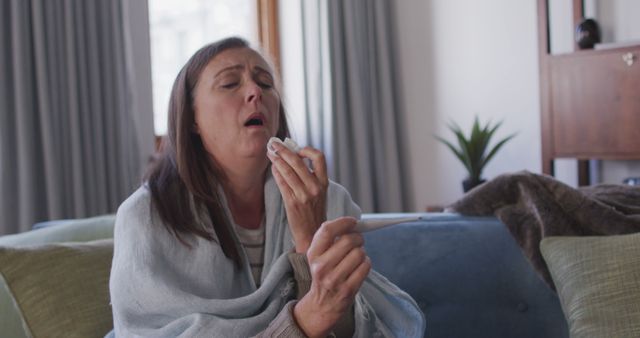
(590, 101)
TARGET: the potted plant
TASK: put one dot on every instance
(474, 151)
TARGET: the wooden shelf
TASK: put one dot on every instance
(589, 100)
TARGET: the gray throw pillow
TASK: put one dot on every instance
(598, 282)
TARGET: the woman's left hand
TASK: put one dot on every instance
(303, 190)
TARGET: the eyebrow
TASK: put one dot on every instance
(236, 67)
(262, 70)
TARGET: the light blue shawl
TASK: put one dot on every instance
(161, 288)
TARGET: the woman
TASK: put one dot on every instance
(225, 240)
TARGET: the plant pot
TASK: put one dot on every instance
(469, 184)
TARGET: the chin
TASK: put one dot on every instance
(256, 150)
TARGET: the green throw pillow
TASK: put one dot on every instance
(61, 290)
(598, 282)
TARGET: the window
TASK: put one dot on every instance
(178, 29)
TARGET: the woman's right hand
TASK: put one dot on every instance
(338, 265)
(304, 191)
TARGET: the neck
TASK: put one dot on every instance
(244, 189)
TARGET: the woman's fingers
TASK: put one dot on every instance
(326, 235)
(344, 268)
(294, 181)
(292, 166)
(285, 189)
(357, 277)
(318, 162)
(287, 176)
(339, 251)
(292, 159)
(304, 193)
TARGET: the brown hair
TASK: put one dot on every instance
(183, 172)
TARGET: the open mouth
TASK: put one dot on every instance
(254, 120)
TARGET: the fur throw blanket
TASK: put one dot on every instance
(533, 206)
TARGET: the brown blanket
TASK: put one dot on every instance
(534, 206)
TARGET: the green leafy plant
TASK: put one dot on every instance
(474, 151)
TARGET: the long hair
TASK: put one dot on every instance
(185, 179)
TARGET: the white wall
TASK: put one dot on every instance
(458, 58)
(618, 19)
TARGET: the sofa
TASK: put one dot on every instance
(466, 273)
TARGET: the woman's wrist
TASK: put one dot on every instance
(301, 244)
(302, 248)
(308, 319)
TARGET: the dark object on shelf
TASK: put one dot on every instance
(632, 181)
(587, 34)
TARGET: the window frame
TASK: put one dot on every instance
(268, 31)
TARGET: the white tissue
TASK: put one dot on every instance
(289, 143)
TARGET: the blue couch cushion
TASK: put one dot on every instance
(469, 277)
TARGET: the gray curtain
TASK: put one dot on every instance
(68, 138)
(351, 105)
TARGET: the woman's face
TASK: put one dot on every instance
(236, 105)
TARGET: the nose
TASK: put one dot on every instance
(254, 92)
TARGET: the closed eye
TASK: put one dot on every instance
(264, 85)
(263, 79)
(229, 85)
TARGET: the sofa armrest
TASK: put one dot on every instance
(72, 230)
